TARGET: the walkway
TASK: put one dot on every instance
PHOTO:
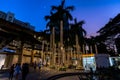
(41, 75)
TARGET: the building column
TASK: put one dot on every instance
(20, 57)
(32, 56)
(32, 53)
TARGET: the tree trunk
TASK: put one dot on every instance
(53, 45)
(91, 51)
(61, 42)
(96, 50)
(77, 44)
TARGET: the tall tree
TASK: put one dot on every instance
(63, 13)
(59, 13)
(78, 31)
(61, 16)
(52, 24)
(78, 34)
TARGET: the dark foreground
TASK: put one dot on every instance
(50, 74)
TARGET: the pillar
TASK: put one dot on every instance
(20, 57)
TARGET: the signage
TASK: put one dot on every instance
(9, 50)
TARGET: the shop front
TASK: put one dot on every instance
(26, 59)
(115, 61)
(89, 61)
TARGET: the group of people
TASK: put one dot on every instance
(41, 63)
(35, 64)
(16, 70)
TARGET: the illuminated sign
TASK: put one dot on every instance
(9, 50)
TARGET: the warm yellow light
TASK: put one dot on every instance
(88, 55)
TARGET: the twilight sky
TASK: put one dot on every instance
(95, 13)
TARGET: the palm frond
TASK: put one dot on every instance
(70, 8)
(85, 33)
(62, 3)
(46, 31)
(69, 15)
(47, 25)
(47, 17)
(81, 22)
(54, 8)
(51, 12)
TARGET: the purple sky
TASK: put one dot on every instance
(95, 13)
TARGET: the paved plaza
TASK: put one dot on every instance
(41, 74)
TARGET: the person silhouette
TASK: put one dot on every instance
(11, 71)
(25, 70)
(17, 71)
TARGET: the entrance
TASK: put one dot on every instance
(89, 62)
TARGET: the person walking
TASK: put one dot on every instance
(35, 65)
(25, 71)
(39, 66)
(11, 71)
(17, 71)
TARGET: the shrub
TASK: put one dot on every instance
(52, 67)
(62, 69)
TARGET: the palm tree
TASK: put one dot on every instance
(78, 34)
(63, 15)
(52, 24)
(92, 42)
(62, 11)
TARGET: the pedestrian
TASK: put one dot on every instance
(44, 63)
(25, 70)
(91, 73)
(39, 66)
(17, 71)
(11, 71)
(35, 65)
